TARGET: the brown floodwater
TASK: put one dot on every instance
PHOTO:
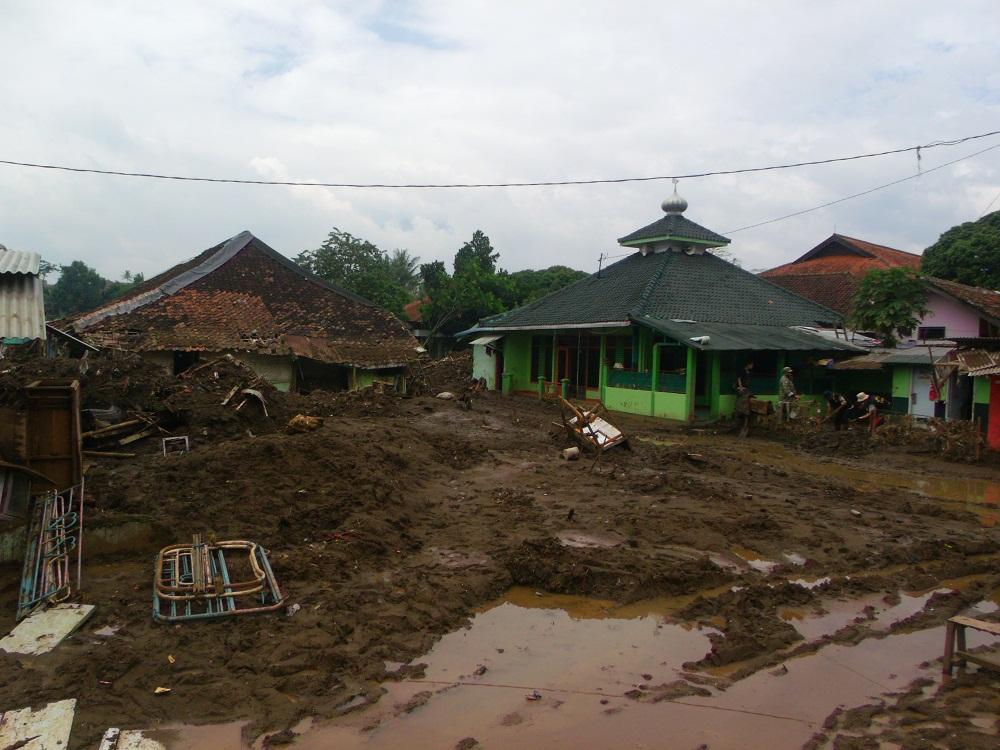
(582, 655)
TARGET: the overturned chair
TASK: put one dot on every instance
(205, 580)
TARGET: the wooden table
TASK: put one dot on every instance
(955, 631)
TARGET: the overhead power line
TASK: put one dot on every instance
(544, 183)
(792, 215)
(920, 173)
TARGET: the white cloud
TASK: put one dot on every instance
(458, 91)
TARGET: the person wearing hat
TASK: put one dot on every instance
(786, 394)
(866, 411)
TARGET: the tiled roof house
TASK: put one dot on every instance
(243, 297)
(661, 332)
(831, 272)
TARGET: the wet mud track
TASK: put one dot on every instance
(391, 531)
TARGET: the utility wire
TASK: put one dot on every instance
(153, 175)
(864, 192)
(989, 206)
(846, 198)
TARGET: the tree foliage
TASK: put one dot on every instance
(478, 288)
(889, 303)
(530, 285)
(404, 269)
(361, 267)
(81, 288)
(968, 253)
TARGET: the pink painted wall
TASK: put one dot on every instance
(957, 319)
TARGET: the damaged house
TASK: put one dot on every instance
(663, 332)
(242, 297)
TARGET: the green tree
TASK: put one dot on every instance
(476, 255)
(530, 285)
(404, 269)
(968, 253)
(889, 303)
(79, 288)
(475, 290)
(114, 289)
(358, 266)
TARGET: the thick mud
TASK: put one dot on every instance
(390, 527)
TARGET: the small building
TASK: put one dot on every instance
(244, 298)
(978, 359)
(22, 306)
(662, 332)
(831, 272)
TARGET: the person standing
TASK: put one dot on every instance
(837, 410)
(744, 378)
(786, 394)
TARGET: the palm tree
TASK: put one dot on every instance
(404, 269)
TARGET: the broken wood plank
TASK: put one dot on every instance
(112, 428)
(44, 728)
(141, 435)
(45, 629)
(109, 454)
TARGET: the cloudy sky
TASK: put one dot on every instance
(463, 91)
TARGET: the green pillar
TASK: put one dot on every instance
(690, 376)
(564, 387)
(654, 379)
(555, 357)
(603, 372)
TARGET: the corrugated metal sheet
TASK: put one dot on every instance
(743, 336)
(976, 362)
(18, 261)
(22, 309)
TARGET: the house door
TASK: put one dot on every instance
(498, 369)
(993, 429)
(921, 403)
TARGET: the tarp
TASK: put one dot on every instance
(746, 337)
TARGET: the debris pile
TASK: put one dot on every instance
(452, 373)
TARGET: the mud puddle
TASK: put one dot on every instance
(873, 611)
(553, 671)
(190, 737)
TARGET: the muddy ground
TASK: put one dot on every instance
(398, 517)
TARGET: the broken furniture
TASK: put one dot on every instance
(955, 651)
(589, 430)
(40, 442)
(178, 444)
(204, 580)
(53, 556)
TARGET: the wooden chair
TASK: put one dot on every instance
(957, 653)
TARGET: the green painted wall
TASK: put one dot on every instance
(627, 400)
(517, 360)
(980, 390)
(670, 406)
(727, 405)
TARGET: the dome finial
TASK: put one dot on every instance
(674, 204)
